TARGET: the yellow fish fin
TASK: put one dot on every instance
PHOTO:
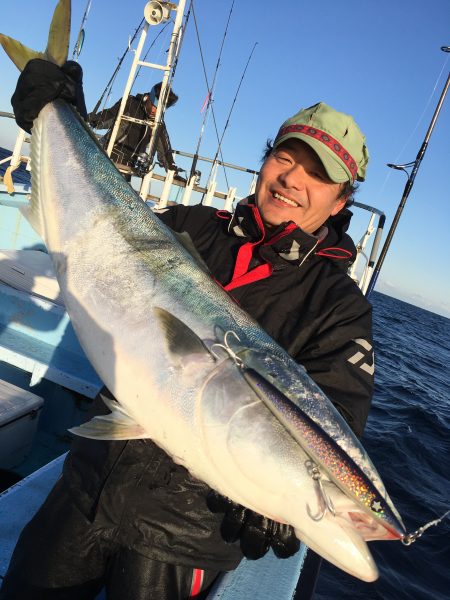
(59, 34)
(17, 52)
(57, 45)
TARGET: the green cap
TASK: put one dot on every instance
(334, 136)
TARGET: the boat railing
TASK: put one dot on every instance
(191, 184)
(365, 260)
(15, 158)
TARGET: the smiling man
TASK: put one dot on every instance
(309, 174)
(123, 515)
(294, 186)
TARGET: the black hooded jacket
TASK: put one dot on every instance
(132, 138)
(295, 285)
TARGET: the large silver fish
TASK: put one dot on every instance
(190, 369)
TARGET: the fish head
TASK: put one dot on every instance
(322, 432)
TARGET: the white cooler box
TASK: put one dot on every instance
(19, 416)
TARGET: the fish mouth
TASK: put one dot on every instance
(370, 528)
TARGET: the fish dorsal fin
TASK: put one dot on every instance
(182, 342)
(57, 45)
(115, 426)
(186, 241)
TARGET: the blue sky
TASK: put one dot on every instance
(379, 61)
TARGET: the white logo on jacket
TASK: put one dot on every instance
(365, 359)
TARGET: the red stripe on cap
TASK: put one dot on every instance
(197, 581)
(326, 139)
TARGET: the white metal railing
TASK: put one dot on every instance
(15, 158)
(167, 70)
(370, 256)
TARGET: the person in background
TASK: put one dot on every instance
(133, 138)
(124, 516)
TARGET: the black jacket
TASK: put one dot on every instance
(295, 285)
(132, 138)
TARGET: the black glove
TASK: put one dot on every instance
(41, 82)
(256, 533)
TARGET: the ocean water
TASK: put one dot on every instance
(408, 439)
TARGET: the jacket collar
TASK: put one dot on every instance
(289, 241)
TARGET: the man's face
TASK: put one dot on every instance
(150, 108)
(294, 186)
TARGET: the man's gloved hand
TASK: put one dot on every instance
(41, 82)
(256, 533)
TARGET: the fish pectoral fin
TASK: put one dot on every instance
(115, 426)
(186, 241)
(59, 34)
(182, 342)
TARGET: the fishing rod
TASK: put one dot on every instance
(116, 70)
(219, 148)
(210, 90)
(414, 165)
(80, 38)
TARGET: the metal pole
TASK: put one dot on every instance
(172, 55)
(408, 186)
(127, 90)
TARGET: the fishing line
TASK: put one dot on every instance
(231, 110)
(414, 165)
(207, 84)
(414, 130)
(109, 85)
(138, 71)
(410, 538)
(210, 96)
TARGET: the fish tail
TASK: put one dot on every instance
(58, 40)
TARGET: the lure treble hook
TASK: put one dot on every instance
(226, 346)
(325, 502)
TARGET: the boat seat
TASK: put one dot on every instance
(30, 271)
(268, 577)
(36, 335)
